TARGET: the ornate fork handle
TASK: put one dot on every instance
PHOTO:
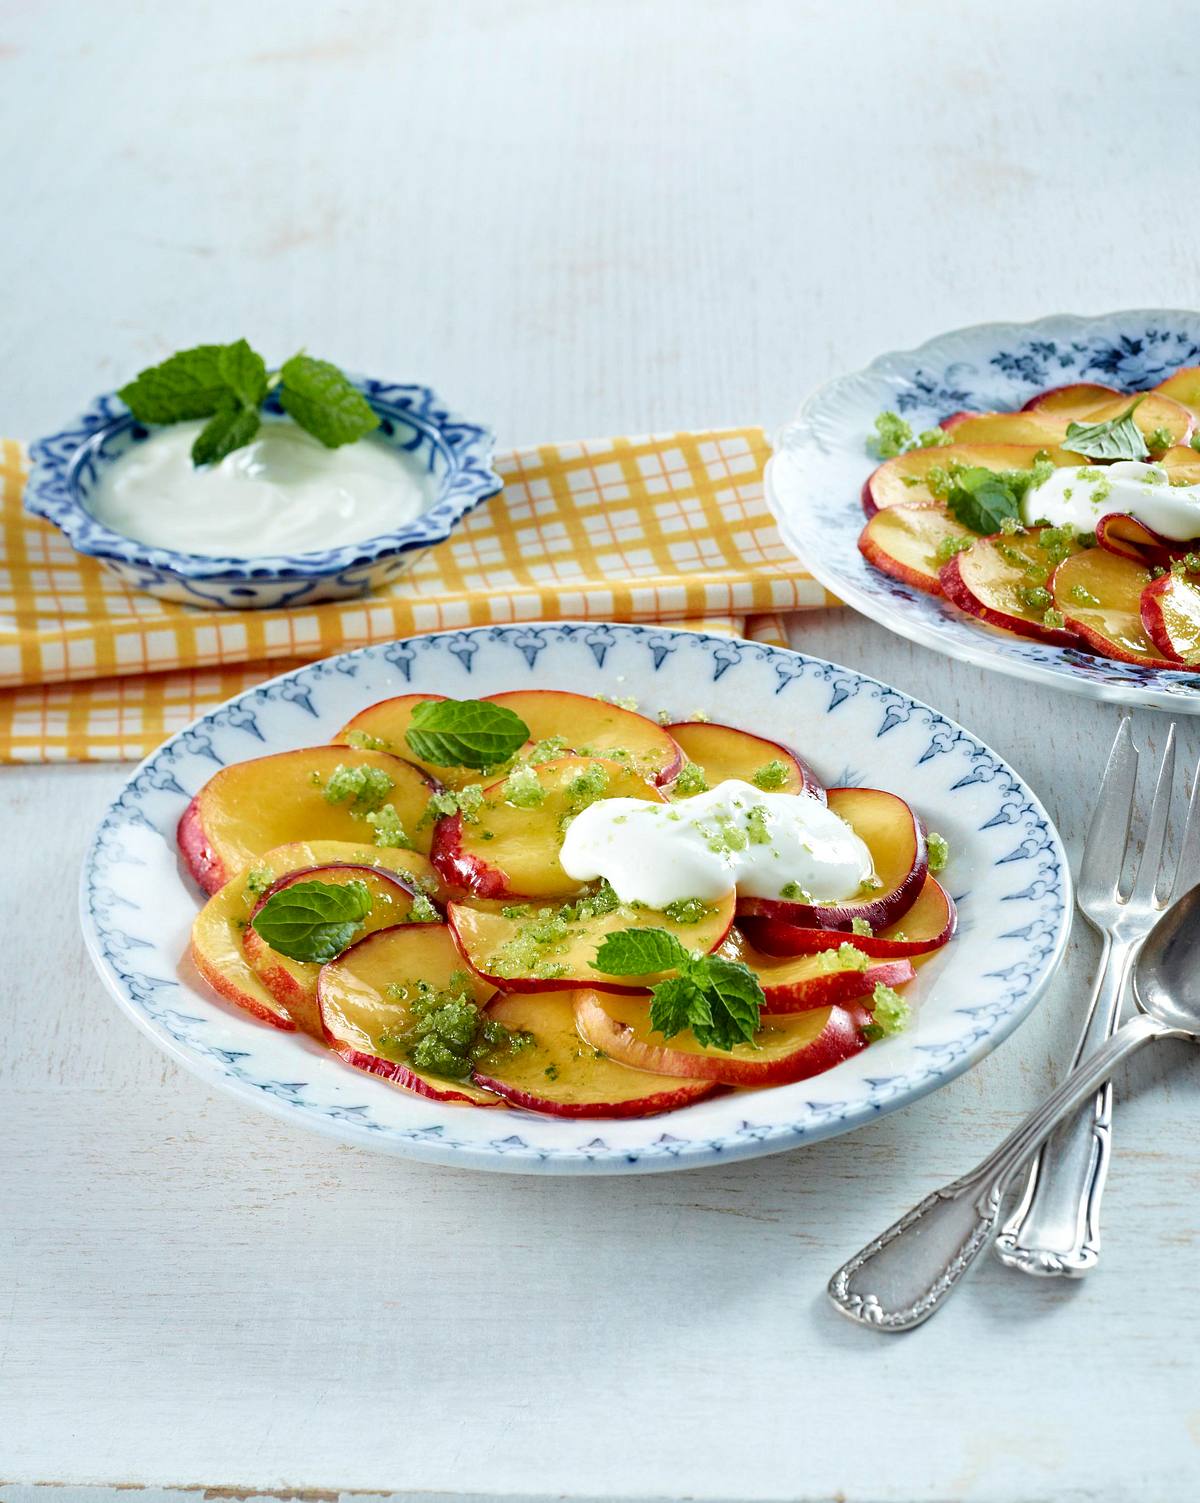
(901, 1278)
(1055, 1231)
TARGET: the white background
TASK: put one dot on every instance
(574, 219)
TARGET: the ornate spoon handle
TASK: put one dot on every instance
(901, 1278)
(1056, 1228)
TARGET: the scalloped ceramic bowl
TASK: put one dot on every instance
(1008, 874)
(821, 460)
(451, 456)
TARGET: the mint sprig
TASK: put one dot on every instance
(228, 383)
(1119, 438)
(980, 499)
(313, 920)
(465, 733)
(719, 1000)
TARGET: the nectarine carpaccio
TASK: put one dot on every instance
(569, 945)
(989, 509)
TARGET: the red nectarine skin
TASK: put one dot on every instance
(200, 858)
(1119, 533)
(1170, 611)
(929, 923)
(1078, 397)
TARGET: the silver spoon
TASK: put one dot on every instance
(901, 1278)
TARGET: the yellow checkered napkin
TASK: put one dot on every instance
(672, 528)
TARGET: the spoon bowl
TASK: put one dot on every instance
(1166, 979)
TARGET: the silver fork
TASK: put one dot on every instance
(1055, 1231)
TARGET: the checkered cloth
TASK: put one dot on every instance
(672, 528)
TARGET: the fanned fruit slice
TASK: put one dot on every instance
(1170, 611)
(927, 926)
(1182, 464)
(382, 726)
(1183, 387)
(1004, 580)
(904, 541)
(895, 838)
(509, 846)
(562, 1076)
(594, 728)
(784, 1048)
(1077, 401)
(1119, 533)
(1156, 415)
(217, 932)
(1100, 597)
(723, 752)
(821, 980)
(250, 807)
(527, 948)
(364, 997)
(293, 983)
(901, 481)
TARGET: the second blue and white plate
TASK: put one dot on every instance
(1008, 874)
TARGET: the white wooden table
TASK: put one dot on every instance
(575, 218)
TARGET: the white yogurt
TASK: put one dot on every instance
(283, 493)
(703, 847)
(1079, 498)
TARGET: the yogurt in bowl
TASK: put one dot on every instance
(279, 521)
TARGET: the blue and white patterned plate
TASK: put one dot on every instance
(821, 461)
(1008, 874)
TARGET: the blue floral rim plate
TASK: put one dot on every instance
(453, 456)
(1008, 873)
(821, 460)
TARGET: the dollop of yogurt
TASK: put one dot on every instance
(283, 493)
(1080, 497)
(732, 836)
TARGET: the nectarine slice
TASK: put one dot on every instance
(723, 752)
(1100, 596)
(1170, 611)
(1005, 581)
(594, 728)
(1078, 400)
(903, 541)
(509, 846)
(381, 727)
(1182, 464)
(784, 1048)
(216, 944)
(821, 980)
(562, 1076)
(249, 807)
(1183, 387)
(901, 481)
(364, 999)
(927, 926)
(1123, 534)
(293, 983)
(530, 948)
(1157, 416)
(895, 838)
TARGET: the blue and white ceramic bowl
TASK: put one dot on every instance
(821, 460)
(1008, 873)
(453, 456)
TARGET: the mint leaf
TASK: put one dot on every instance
(187, 385)
(321, 400)
(678, 1004)
(981, 499)
(244, 372)
(313, 920)
(719, 1000)
(640, 952)
(465, 732)
(1119, 438)
(230, 429)
(735, 1000)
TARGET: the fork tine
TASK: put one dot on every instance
(1156, 829)
(1108, 833)
(1187, 873)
